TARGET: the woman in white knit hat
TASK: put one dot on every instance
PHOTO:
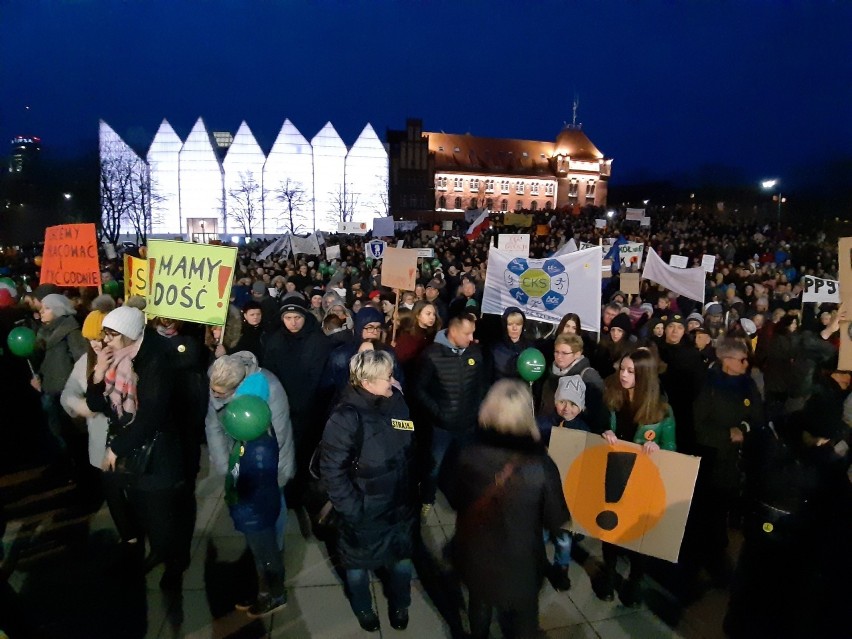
(131, 384)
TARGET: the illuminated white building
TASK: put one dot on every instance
(196, 195)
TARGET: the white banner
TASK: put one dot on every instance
(546, 289)
(636, 214)
(588, 245)
(630, 254)
(332, 252)
(356, 228)
(600, 224)
(280, 245)
(382, 227)
(514, 243)
(818, 289)
(569, 247)
(688, 282)
(679, 261)
(305, 245)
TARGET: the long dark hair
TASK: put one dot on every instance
(415, 329)
(567, 318)
(647, 406)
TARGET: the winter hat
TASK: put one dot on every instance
(6, 299)
(571, 388)
(748, 326)
(254, 384)
(59, 304)
(646, 307)
(136, 301)
(374, 294)
(677, 318)
(93, 324)
(294, 303)
(621, 321)
(44, 290)
(367, 315)
(713, 308)
(103, 303)
(434, 283)
(695, 316)
(259, 288)
(126, 320)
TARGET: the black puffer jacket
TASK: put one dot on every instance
(498, 547)
(451, 384)
(367, 463)
(504, 353)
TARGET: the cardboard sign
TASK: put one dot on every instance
(446, 225)
(425, 236)
(355, 228)
(332, 252)
(818, 289)
(70, 256)
(679, 261)
(629, 283)
(375, 249)
(844, 261)
(425, 252)
(514, 243)
(636, 215)
(708, 263)
(399, 268)
(190, 282)
(542, 229)
(137, 277)
(622, 495)
(382, 227)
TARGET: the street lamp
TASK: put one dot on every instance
(67, 196)
(769, 185)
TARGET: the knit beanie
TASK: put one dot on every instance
(126, 320)
(93, 325)
(59, 304)
(621, 321)
(103, 303)
(44, 290)
(571, 388)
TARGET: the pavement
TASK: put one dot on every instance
(64, 578)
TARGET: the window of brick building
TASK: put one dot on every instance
(519, 188)
(504, 205)
(534, 206)
(458, 203)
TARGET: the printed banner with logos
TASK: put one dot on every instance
(818, 289)
(515, 243)
(375, 249)
(136, 276)
(354, 228)
(281, 246)
(190, 282)
(545, 289)
(630, 255)
(399, 268)
(70, 256)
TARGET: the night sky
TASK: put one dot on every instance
(665, 88)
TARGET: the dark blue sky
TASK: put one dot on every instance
(665, 87)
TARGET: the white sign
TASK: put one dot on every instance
(679, 261)
(374, 249)
(514, 243)
(545, 289)
(645, 221)
(382, 227)
(588, 245)
(630, 254)
(636, 214)
(447, 225)
(818, 289)
(425, 252)
(332, 252)
(600, 224)
(708, 263)
(355, 228)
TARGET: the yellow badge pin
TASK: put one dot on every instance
(746, 402)
(471, 362)
(402, 424)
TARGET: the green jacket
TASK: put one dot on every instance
(662, 433)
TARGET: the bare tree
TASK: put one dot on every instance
(384, 197)
(292, 196)
(343, 202)
(116, 173)
(143, 202)
(245, 202)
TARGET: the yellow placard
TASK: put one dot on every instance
(190, 282)
(136, 276)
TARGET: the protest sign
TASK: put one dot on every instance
(545, 289)
(355, 228)
(136, 276)
(190, 282)
(399, 268)
(425, 252)
(623, 496)
(708, 263)
(630, 255)
(305, 245)
(514, 243)
(637, 215)
(542, 229)
(629, 283)
(447, 225)
(679, 261)
(645, 221)
(600, 224)
(818, 289)
(844, 261)
(332, 252)
(382, 227)
(375, 249)
(517, 219)
(425, 236)
(70, 256)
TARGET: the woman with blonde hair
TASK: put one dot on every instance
(505, 490)
(638, 414)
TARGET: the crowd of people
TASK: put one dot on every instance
(379, 399)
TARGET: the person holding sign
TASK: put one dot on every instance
(639, 414)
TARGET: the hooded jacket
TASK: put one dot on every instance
(63, 345)
(505, 352)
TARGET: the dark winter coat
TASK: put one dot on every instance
(681, 382)
(154, 390)
(725, 402)
(498, 548)
(250, 340)
(451, 384)
(546, 424)
(63, 345)
(258, 497)
(597, 414)
(505, 352)
(367, 465)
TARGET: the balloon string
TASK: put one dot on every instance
(32, 370)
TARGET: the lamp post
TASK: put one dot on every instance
(769, 185)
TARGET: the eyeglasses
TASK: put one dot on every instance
(109, 333)
(564, 353)
(741, 360)
(372, 328)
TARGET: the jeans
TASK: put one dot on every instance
(441, 442)
(55, 417)
(398, 587)
(561, 547)
(281, 523)
(267, 560)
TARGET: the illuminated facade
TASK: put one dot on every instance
(197, 196)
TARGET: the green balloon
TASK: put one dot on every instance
(531, 364)
(9, 281)
(246, 417)
(21, 341)
(113, 288)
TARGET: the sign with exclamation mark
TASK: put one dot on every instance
(623, 495)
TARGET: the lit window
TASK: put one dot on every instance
(441, 183)
(457, 149)
(534, 188)
(590, 188)
(573, 187)
(525, 154)
(474, 184)
(458, 184)
(519, 188)
(548, 188)
(489, 186)
(504, 187)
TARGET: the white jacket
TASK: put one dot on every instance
(73, 400)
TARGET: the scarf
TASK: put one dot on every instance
(167, 331)
(559, 372)
(121, 381)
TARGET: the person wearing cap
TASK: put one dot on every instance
(569, 402)
(704, 345)
(433, 296)
(714, 319)
(132, 384)
(693, 321)
(682, 378)
(61, 344)
(727, 409)
(614, 344)
(296, 353)
(268, 305)
(469, 299)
